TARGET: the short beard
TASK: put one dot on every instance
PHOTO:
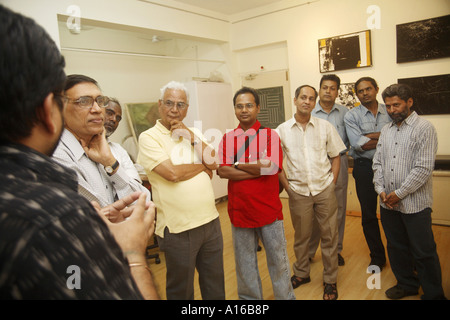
(399, 117)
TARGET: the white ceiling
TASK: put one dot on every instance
(228, 7)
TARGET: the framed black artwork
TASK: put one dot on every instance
(347, 51)
(431, 94)
(423, 40)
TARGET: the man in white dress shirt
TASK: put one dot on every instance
(102, 176)
(309, 178)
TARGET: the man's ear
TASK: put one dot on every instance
(46, 113)
(410, 102)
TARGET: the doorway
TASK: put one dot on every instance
(274, 95)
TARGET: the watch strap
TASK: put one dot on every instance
(110, 169)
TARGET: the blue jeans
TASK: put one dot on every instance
(245, 243)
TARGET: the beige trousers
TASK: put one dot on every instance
(324, 208)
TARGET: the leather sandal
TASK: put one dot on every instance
(297, 281)
(330, 290)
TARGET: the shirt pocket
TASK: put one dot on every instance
(368, 126)
(319, 141)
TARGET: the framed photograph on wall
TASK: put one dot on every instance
(423, 40)
(347, 51)
(347, 96)
(141, 116)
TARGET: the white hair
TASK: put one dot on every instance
(174, 85)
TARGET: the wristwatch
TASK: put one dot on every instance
(110, 169)
(236, 164)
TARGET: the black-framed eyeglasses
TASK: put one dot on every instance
(87, 102)
(169, 104)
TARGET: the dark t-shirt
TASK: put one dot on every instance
(53, 244)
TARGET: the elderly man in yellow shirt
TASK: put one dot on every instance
(179, 167)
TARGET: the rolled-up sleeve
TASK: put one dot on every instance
(378, 177)
(355, 136)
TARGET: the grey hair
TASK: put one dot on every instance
(174, 85)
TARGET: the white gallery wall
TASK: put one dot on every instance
(286, 39)
(302, 26)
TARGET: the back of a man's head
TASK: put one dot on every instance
(31, 68)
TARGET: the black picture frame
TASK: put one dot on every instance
(431, 94)
(348, 51)
(423, 40)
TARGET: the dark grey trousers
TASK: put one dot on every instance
(200, 248)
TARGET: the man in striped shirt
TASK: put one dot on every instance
(403, 165)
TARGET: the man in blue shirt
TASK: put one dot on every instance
(327, 109)
(363, 125)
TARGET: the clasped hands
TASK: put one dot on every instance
(131, 225)
(391, 200)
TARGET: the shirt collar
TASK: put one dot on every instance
(72, 144)
(239, 131)
(408, 121)
(312, 120)
(37, 166)
(319, 108)
(161, 127)
(381, 109)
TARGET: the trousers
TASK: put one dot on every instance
(304, 209)
(200, 248)
(411, 245)
(368, 200)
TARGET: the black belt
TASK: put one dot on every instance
(363, 161)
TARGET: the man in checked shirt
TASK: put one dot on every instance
(403, 165)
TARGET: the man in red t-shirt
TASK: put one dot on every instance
(251, 158)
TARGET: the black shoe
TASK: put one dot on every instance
(397, 292)
(341, 260)
(380, 265)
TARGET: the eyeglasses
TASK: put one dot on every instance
(170, 104)
(247, 105)
(87, 102)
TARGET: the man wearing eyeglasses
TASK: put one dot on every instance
(55, 244)
(84, 148)
(179, 165)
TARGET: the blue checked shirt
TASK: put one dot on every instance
(404, 163)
